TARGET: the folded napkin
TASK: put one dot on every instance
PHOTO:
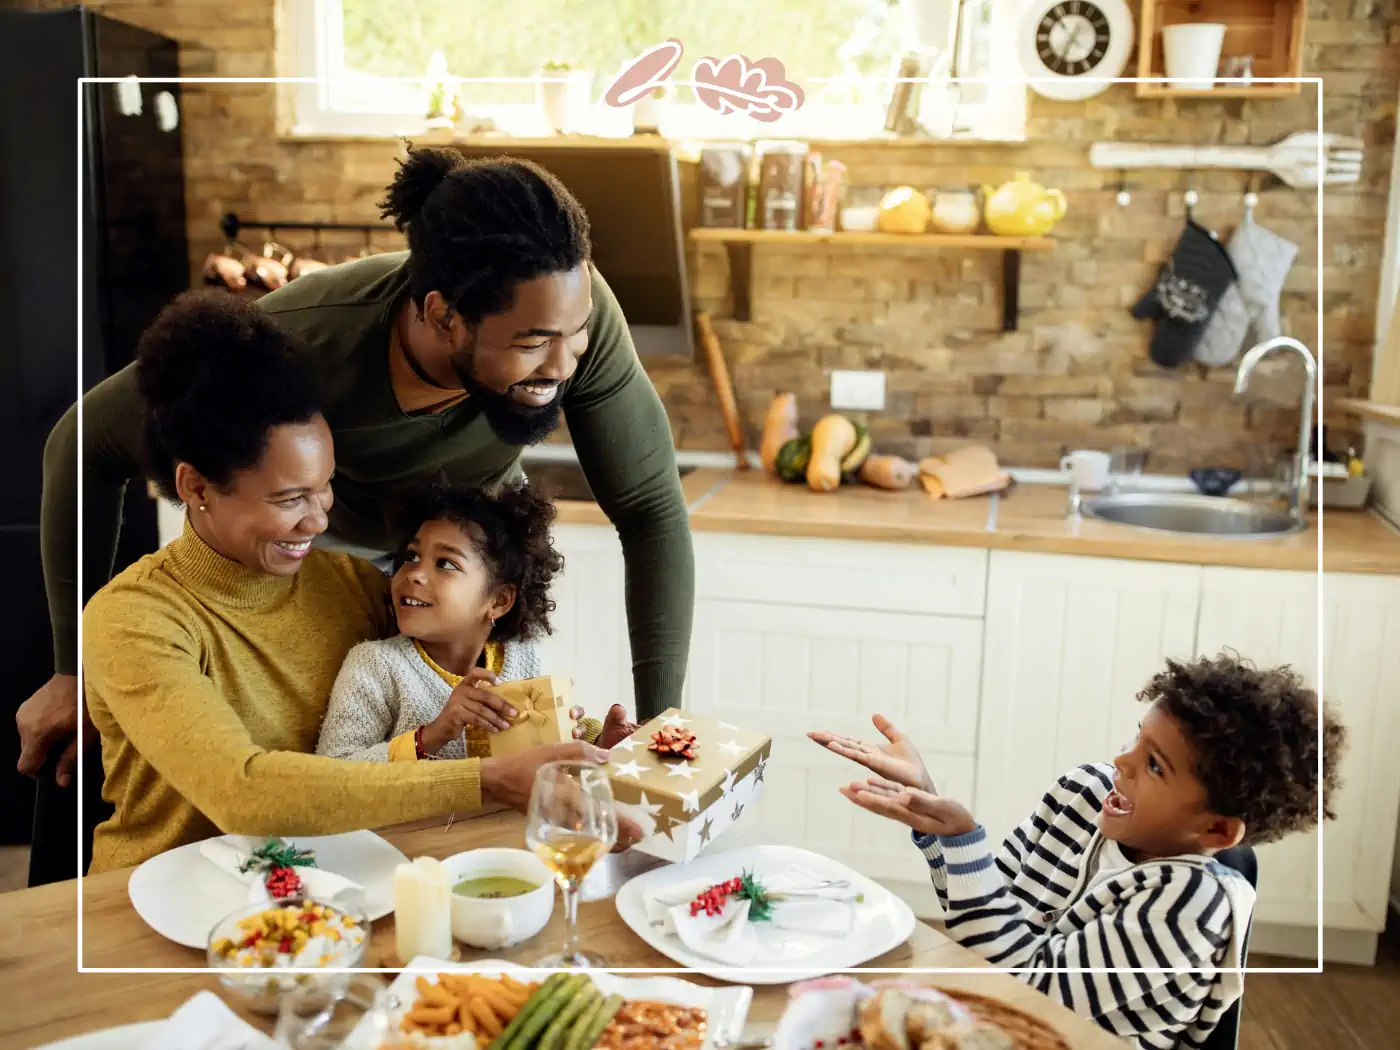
(728, 937)
(802, 901)
(230, 852)
(205, 1023)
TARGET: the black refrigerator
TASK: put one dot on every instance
(128, 200)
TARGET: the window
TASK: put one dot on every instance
(377, 51)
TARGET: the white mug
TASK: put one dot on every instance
(1087, 470)
(498, 922)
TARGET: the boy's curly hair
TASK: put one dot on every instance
(510, 529)
(1256, 739)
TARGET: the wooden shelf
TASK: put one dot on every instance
(1257, 91)
(1269, 31)
(739, 244)
(872, 239)
(1372, 410)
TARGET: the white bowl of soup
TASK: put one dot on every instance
(500, 897)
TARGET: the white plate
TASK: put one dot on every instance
(726, 1009)
(181, 895)
(125, 1037)
(881, 922)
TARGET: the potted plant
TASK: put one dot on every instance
(565, 92)
(440, 89)
(647, 111)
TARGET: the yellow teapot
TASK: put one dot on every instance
(1022, 208)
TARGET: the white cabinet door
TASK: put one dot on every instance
(1271, 618)
(1069, 643)
(787, 669)
(590, 641)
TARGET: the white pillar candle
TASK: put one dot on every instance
(422, 910)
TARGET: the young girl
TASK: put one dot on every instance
(471, 594)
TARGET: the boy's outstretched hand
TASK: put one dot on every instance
(925, 812)
(897, 759)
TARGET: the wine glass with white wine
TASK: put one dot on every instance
(572, 824)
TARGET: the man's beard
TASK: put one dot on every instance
(514, 423)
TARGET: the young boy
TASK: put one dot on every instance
(1115, 867)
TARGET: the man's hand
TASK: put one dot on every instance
(49, 719)
(509, 779)
(616, 726)
(925, 812)
(469, 705)
(897, 759)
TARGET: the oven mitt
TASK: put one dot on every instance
(1188, 289)
(1249, 309)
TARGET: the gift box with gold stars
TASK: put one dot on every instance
(684, 803)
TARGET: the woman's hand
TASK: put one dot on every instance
(897, 759)
(509, 780)
(469, 705)
(616, 726)
(925, 812)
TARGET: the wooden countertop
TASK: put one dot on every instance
(1030, 518)
(46, 999)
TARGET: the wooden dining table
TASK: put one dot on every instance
(45, 998)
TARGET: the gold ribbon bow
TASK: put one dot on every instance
(536, 707)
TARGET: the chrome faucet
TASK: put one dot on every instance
(1298, 492)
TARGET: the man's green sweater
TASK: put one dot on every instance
(342, 317)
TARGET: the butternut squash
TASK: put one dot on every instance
(833, 438)
(779, 427)
(888, 472)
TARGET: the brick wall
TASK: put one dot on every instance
(1075, 374)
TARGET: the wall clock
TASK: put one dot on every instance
(1067, 44)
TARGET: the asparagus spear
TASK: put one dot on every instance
(586, 1034)
(530, 1029)
(544, 991)
(560, 1026)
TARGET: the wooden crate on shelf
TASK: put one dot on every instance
(1269, 31)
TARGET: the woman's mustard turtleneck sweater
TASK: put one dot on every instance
(208, 682)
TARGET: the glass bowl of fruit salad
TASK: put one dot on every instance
(270, 948)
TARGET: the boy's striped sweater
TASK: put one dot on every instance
(1027, 908)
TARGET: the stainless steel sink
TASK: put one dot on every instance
(1216, 516)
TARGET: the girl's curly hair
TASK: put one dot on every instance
(511, 531)
(1255, 734)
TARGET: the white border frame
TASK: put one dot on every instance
(82, 82)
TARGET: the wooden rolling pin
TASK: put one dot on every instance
(724, 387)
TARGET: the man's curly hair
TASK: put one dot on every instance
(1255, 734)
(510, 529)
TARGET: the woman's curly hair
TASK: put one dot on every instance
(1255, 734)
(216, 373)
(510, 530)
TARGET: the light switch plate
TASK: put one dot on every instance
(858, 391)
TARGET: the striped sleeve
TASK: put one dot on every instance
(1073, 799)
(1162, 917)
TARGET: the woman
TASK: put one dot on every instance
(209, 664)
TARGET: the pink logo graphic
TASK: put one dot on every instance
(731, 85)
(650, 70)
(761, 89)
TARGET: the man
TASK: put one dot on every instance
(446, 359)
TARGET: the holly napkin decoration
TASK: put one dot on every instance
(745, 887)
(277, 862)
(673, 742)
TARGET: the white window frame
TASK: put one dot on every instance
(311, 45)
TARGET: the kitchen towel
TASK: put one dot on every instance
(1250, 308)
(1187, 291)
